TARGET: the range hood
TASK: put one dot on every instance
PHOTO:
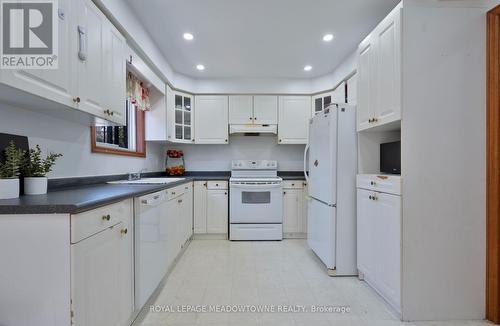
(253, 129)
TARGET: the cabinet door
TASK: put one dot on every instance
(58, 84)
(305, 194)
(366, 91)
(115, 74)
(387, 230)
(217, 202)
(200, 207)
(240, 109)
(339, 94)
(321, 101)
(292, 210)
(98, 279)
(90, 38)
(172, 230)
(388, 74)
(179, 117)
(294, 115)
(187, 213)
(265, 109)
(366, 216)
(211, 119)
(352, 86)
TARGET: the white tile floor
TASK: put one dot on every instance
(218, 272)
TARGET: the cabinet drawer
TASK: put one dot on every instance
(217, 185)
(390, 184)
(294, 184)
(88, 223)
(175, 192)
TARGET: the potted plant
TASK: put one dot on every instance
(35, 169)
(9, 171)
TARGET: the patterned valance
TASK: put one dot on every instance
(137, 93)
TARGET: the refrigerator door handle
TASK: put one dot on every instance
(305, 162)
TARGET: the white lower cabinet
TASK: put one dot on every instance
(211, 207)
(180, 218)
(294, 209)
(102, 277)
(379, 241)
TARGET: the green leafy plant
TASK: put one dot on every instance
(35, 166)
(13, 158)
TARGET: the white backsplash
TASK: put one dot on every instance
(218, 157)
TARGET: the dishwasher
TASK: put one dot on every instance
(151, 254)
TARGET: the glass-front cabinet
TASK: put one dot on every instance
(321, 101)
(181, 113)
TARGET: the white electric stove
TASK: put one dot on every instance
(256, 201)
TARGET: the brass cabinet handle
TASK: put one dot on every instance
(284, 192)
(179, 201)
(226, 140)
(225, 193)
(373, 183)
(280, 140)
(111, 113)
(106, 217)
(173, 192)
(76, 99)
(250, 118)
(124, 231)
(293, 184)
(255, 118)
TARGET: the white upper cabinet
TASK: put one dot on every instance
(352, 87)
(90, 56)
(115, 74)
(240, 109)
(321, 101)
(265, 109)
(91, 74)
(294, 115)
(57, 85)
(379, 74)
(388, 74)
(211, 119)
(101, 52)
(180, 117)
(366, 84)
(259, 109)
(338, 95)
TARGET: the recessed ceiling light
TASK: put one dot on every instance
(328, 37)
(188, 36)
(308, 68)
(200, 67)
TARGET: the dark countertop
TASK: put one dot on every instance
(76, 195)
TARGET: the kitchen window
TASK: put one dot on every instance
(127, 140)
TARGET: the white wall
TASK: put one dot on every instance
(73, 141)
(443, 160)
(218, 157)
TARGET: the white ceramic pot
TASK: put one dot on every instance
(35, 185)
(9, 188)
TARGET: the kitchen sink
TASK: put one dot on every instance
(148, 181)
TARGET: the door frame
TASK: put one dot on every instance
(493, 167)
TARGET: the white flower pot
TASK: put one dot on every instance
(35, 185)
(9, 188)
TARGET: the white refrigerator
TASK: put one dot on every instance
(331, 161)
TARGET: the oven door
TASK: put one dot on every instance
(256, 202)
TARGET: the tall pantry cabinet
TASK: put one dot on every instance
(421, 79)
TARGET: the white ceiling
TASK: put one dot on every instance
(258, 38)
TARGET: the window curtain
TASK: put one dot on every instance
(137, 93)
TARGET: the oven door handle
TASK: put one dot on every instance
(255, 186)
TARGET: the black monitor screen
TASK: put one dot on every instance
(390, 157)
